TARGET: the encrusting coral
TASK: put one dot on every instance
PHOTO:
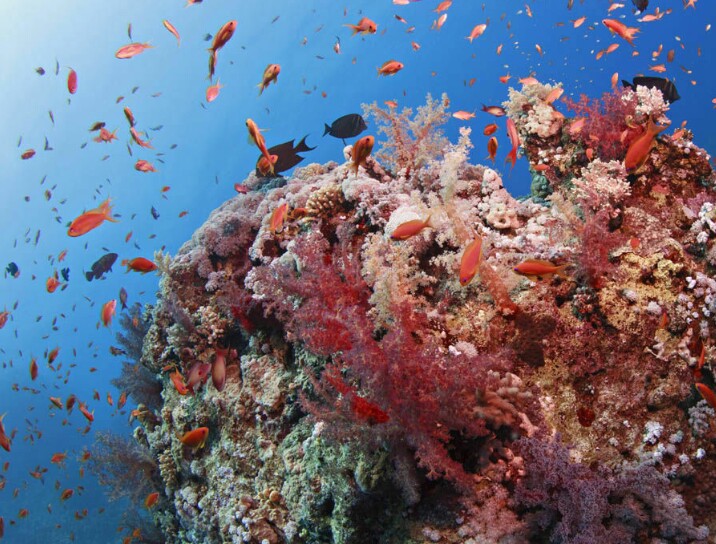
(356, 389)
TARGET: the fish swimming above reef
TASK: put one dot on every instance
(65, 272)
(101, 266)
(12, 269)
(667, 87)
(288, 156)
(347, 126)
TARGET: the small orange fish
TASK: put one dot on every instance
(707, 394)
(122, 400)
(270, 74)
(212, 91)
(505, 78)
(144, 166)
(438, 24)
(470, 260)
(476, 32)
(492, 148)
(72, 81)
(56, 401)
(91, 219)
(139, 264)
(538, 269)
(108, 311)
(66, 494)
(4, 440)
(278, 216)
(463, 115)
(138, 139)
(361, 150)
(410, 228)
(579, 22)
(258, 139)
(443, 6)
(218, 369)
(390, 67)
(364, 26)
(52, 283)
(658, 68)
(23, 513)
(196, 438)
(264, 166)
(88, 415)
(106, 136)
(28, 154)
(170, 27)
(4, 315)
(58, 458)
(33, 369)
(151, 500)
(490, 129)
(639, 149)
(415, 46)
(178, 382)
(53, 355)
(620, 29)
(514, 140)
(131, 50)
(497, 111)
(222, 36)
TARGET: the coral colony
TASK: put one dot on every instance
(407, 353)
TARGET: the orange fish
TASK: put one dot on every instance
(443, 6)
(66, 494)
(89, 415)
(62, 255)
(174, 31)
(438, 24)
(492, 149)
(218, 369)
(108, 310)
(53, 355)
(33, 369)
(144, 166)
(220, 39)
(278, 217)
(538, 269)
(497, 111)
(195, 438)
(620, 29)
(463, 115)
(4, 440)
(72, 81)
(270, 74)
(578, 22)
(178, 381)
(28, 154)
(212, 91)
(52, 283)
(707, 394)
(122, 400)
(390, 67)
(131, 50)
(514, 140)
(264, 166)
(490, 129)
(476, 32)
(137, 138)
(56, 401)
(4, 315)
(139, 264)
(639, 149)
(151, 500)
(23, 513)
(91, 220)
(470, 260)
(361, 150)
(106, 136)
(410, 228)
(364, 26)
(58, 458)
(258, 139)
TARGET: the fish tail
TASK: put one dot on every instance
(560, 271)
(261, 87)
(354, 28)
(89, 276)
(303, 146)
(512, 157)
(327, 130)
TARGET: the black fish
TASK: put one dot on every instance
(123, 298)
(40, 70)
(13, 270)
(101, 266)
(667, 88)
(155, 213)
(65, 272)
(641, 5)
(287, 155)
(207, 37)
(47, 145)
(346, 127)
(98, 125)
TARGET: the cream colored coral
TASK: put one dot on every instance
(325, 200)
(501, 217)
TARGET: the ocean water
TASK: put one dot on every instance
(200, 151)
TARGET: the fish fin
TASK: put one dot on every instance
(303, 146)
(327, 130)
(89, 276)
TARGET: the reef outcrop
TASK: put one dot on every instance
(357, 389)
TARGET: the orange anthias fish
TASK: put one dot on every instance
(91, 220)
(620, 29)
(476, 32)
(139, 264)
(497, 111)
(144, 166)
(33, 369)
(270, 74)
(470, 260)
(106, 136)
(278, 216)
(492, 148)
(514, 140)
(490, 129)
(639, 149)
(107, 312)
(220, 39)
(85, 412)
(4, 315)
(264, 166)
(258, 139)
(66, 494)
(151, 500)
(4, 440)
(707, 394)
(195, 438)
(539, 269)
(390, 67)
(410, 228)
(178, 381)
(137, 138)
(364, 26)
(361, 150)
(170, 27)
(58, 458)
(463, 115)
(56, 401)
(131, 50)
(72, 81)
(52, 283)
(218, 369)
(212, 91)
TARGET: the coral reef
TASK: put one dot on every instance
(362, 391)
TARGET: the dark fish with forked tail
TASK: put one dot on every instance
(347, 126)
(288, 155)
(667, 88)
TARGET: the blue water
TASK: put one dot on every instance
(212, 154)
